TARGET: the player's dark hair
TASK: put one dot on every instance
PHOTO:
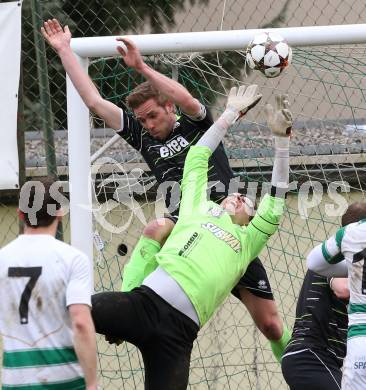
(354, 213)
(143, 93)
(36, 202)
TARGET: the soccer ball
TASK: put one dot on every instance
(269, 53)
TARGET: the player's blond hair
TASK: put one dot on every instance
(142, 93)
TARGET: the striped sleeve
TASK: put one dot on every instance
(316, 262)
(331, 248)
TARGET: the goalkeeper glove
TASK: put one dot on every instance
(240, 101)
(280, 119)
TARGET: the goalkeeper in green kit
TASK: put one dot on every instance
(202, 259)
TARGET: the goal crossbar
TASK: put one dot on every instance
(206, 41)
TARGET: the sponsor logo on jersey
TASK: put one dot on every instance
(360, 365)
(216, 211)
(188, 244)
(223, 235)
(173, 147)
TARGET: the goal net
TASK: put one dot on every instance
(326, 87)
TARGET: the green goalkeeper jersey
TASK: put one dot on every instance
(206, 253)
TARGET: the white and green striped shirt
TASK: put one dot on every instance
(350, 241)
(39, 278)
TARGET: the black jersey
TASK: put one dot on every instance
(321, 319)
(166, 158)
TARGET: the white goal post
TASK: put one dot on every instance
(78, 114)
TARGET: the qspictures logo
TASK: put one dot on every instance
(223, 235)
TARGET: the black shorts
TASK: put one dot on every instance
(163, 334)
(311, 369)
(255, 280)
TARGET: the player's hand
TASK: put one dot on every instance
(93, 387)
(243, 99)
(340, 287)
(280, 119)
(57, 37)
(114, 340)
(132, 56)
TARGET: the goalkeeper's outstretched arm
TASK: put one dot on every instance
(270, 210)
(194, 182)
(279, 120)
(239, 102)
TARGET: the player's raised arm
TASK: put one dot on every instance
(59, 39)
(267, 218)
(239, 102)
(279, 120)
(194, 182)
(170, 88)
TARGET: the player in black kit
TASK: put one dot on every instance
(163, 139)
(313, 358)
